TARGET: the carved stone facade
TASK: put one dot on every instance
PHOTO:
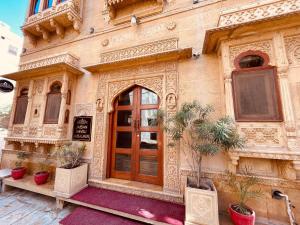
(292, 45)
(258, 11)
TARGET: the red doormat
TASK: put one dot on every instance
(152, 209)
(85, 216)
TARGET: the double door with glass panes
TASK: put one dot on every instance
(136, 137)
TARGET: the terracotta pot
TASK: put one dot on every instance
(41, 177)
(240, 219)
(18, 173)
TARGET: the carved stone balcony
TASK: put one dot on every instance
(250, 18)
(54, 20)
(120, 11)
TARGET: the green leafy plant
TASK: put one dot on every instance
(21, 156)
(245, 188)
(200, 135)
(70, 155)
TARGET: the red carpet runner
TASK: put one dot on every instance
(85, 216)
(153, 209)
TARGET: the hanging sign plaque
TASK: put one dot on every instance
(6, 86)
(82, 128)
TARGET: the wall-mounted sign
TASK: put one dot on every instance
(6, 86)
(82, 128)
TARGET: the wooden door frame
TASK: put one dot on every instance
(160, 155)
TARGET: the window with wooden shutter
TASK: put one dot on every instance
(255, 92)
(53, 104)
(21, 107)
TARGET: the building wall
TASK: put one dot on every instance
(204, 79)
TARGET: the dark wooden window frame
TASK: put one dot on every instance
(23, 97)
(239, 71)
(47, 120)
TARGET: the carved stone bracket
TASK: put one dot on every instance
(44, 32)
(60, 30)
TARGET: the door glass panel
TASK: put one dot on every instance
(149, 118)
(149, 98)
(126, 98)
(124, 118)
(148, 140)
(148, 165)
(124, 139)
(123, 162)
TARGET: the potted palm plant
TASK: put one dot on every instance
(71, 175)
(245, 188)
(201, 136)
(19, 171)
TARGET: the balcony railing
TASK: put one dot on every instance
(54, 20)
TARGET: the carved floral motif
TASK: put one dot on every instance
(261, 136)
(292, 45)
(140, 51)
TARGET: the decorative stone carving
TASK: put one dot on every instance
(99, 104)
(258, 12)
(171, 25)
(51, 60)
(105, 42)
(60, 30)
(83, 109)
(264, 46)
(17, 131)
(49, 131)
(261, 135)
(171, 101)
(140, 51)
(292, 45)
(38, 87)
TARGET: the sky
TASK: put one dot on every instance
(12, 12)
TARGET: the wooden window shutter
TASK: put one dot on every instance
(256, 95)
(52, 108)
(21, 108)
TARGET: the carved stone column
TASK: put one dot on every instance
(13, 110)
(42, 3)
(43, 107)
(29, 106)
(296, 165)
(283, 66)
(54, 3)
(233, 164)
(227, 80)
(64, 94)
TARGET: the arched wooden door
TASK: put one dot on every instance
(136, 146)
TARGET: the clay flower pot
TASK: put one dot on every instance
(41, 177)
(240, 219)
(18, 173)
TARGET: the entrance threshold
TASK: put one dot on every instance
(137, 188)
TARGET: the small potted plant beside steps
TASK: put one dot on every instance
(199, 136)
(41, 177)
(246, 188)
(71, 176)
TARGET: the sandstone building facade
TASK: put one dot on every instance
(120, 61)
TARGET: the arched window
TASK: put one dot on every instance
(255, 89)
(53, 104)
(21, 107)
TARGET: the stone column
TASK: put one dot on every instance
(43, 107)
(287, 104)
(13, 110)
(29, 106)
(64, 94)
(54, 3)
(227, 80)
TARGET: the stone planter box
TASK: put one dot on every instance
(70, 181)
(201, 207)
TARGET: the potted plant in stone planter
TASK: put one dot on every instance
(41, 177)
(245, 187)
(19, 171)
(71, 176)
(199, 136)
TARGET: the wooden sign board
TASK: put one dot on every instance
(6, 86)
(82, 128)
